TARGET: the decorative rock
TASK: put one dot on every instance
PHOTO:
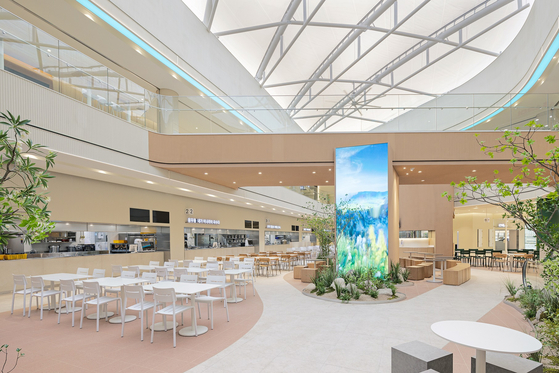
(340, 281)
(385, 291)
(539, 313)
(351, 287)
(518, 294)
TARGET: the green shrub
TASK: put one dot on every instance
(393, 288)
(373, 294)
(394, 273)
(510, 286)
(345, 295)
(548, 333)
(338, 289)
(405, 274)
(531, 301)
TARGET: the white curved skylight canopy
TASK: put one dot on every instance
(335, 64)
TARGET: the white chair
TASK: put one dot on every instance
(248, 260)
(128, 274)
(194, 265)
(136, 292)
(212, 266)
(179, 272)
(175, 261)
(162, 273)
(38, 291)
(151, 277)
(83, 272)
(247, 277)
(170, 264)
(116, 271)
(191, 279)
(20, 280)
(68, 288)
(154, 263)
(98, 273)
(212, 259)
(186, 263)
(135, 269)
(168, 296)
(198, 258)
(214, 280)
(92, 289)
(228, 265)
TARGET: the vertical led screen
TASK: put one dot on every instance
(362, 207)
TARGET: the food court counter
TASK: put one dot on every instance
(38, 266)
(284, 247)
(205, 252)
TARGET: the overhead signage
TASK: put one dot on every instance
(273, 226)
(189, 211)
(203, 221)
(307, 229)
(501, 225)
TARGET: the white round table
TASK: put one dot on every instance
(486, 337)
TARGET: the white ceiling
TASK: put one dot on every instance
(332, 24)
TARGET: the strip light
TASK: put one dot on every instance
(547, 58)
(140, 43)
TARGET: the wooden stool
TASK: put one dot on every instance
(403, 262)
(297, 272)
(416, 273)
(308, 273)
(427, 269)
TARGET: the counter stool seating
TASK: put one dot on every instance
(505, 363)
(209, 300)
(136, 292)
(419, 357)
(38, 291)
(162, 297)
(68, 288)
(500, 260)
(92, 289)
(20, 280)
(417, 272)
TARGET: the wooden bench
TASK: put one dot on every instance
(417, 273)
(456, 275)
(307, 274)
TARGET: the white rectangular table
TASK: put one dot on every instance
(232, 273)
(191, 289)
(150, 268)
(56, 277)
(105, 282)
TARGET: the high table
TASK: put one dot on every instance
(435, 259)
(232, 273)
(191, 289)
(105, 282)
(56, 277)
(486, 337)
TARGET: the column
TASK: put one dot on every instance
(393, 210)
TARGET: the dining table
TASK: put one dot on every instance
(486, 337)
(191, 289)
(232, 273)
(53, 278)
(105, 282)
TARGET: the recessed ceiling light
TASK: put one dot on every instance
(291, 213)
(102, 172)
(282, 210)
(418, 172)
(422, 180)
(262, 206)
(210, 195)
(139, 51)
(30, 156)
(248, 203)
(205, 173)
(149, 182)
(489, 120)
(314, 172)
(329, 169)
(404, 168)
(474, 170)
(326, 180)
(232, 200)
(407, 173)
(176, 77)
(234, 182)
(260, 173)
(273, 209)
(185, 190)
(281, 182)
(48, 50)
(89, 16)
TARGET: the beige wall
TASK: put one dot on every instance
(468, 224)
(31, 267)
(423, 208)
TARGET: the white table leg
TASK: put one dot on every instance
(233, 292)
(480, 361)
(127, 318)
(434, 279)
(194, 330)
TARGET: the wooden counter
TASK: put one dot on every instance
(31, 267)
(421, 249)
(191, 253)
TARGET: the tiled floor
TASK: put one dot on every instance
(295, 333)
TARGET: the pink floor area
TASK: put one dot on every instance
(502, 315)
(50, 347)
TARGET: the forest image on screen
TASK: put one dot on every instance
(362, 207)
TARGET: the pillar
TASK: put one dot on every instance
(177, 239)
(393, 210)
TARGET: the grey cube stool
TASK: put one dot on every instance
(417, 357)
(505, 363)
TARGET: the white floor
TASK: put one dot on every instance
(298, 333)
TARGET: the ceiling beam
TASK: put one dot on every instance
(449, 29)
(372, 16)
(396, 86)
(209, 14)
(295, 38)
(278, 36)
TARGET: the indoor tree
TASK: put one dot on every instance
(23, 184)
(322, 222)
